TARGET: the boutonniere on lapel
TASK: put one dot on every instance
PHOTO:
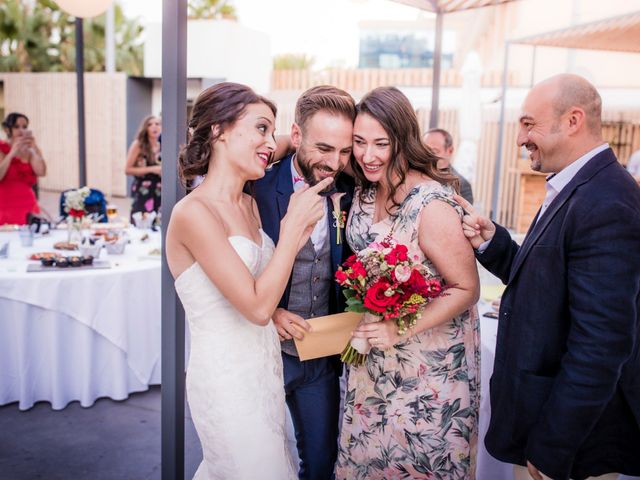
(339, 216)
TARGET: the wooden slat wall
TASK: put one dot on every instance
(365, 79)
(622, 130)
(49, 100)
(521, 191)
(508, 193)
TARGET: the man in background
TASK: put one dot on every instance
(633, 166)
(441, 143)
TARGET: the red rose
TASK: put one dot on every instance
(375, 298)
(433, 287)
(358, 270)
(391, 258)
(349, 261)
(398, 254)
(416, 283)
(401, 253)
(341, 277)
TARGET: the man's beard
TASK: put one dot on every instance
(309, 177)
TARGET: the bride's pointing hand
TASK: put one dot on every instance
(306, 207)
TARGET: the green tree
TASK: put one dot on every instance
(293, 61)
(211, 9)
(39, 37)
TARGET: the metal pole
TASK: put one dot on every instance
(82, 150)
(437, 64)
(110, 41)
(496, 173)
(533, 66)
(174, 111)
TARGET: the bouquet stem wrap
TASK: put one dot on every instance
(356, 351)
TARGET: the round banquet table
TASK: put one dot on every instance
(79, 334)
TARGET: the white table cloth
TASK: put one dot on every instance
(70, 334)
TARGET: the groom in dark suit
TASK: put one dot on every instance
(565, 390)
(322, 137)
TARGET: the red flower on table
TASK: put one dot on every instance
(76, 213)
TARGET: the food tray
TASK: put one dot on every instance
(97, 264)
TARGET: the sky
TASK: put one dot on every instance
(324, 29)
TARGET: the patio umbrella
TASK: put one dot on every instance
(440, 7)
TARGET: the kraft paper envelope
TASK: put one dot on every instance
(329, 335)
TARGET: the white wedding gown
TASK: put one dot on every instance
(234, 379)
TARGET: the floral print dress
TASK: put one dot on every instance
(146, 190)
(411, 411)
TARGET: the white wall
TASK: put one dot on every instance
(217, 49)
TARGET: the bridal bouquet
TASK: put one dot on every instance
(382, 282)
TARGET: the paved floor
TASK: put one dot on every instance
(110, 440)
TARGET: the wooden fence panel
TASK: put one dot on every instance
(49, 100)
(365, 79)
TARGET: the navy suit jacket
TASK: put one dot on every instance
(272, 194)
(565, 389)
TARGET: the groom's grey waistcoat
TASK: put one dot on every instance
(311, 284)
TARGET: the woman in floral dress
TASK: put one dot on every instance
(143, 162)
(412, 410)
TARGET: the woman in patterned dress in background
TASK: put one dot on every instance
(412, 410)
(143, 162)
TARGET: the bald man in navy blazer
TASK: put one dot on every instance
(565, 390)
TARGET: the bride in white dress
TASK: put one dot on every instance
(229, 277)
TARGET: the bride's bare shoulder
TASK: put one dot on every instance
(194, 208)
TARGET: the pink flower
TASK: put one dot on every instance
(403, 273)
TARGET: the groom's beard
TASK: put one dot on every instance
(309, 173)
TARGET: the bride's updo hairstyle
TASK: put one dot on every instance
(221, 104)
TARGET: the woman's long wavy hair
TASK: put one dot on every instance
(146, 151)
(392, 109)
(221, 104)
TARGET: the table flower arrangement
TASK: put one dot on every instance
(385, 284)
(74, 205)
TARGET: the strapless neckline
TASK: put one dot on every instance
(230, 237)
(261, 247)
